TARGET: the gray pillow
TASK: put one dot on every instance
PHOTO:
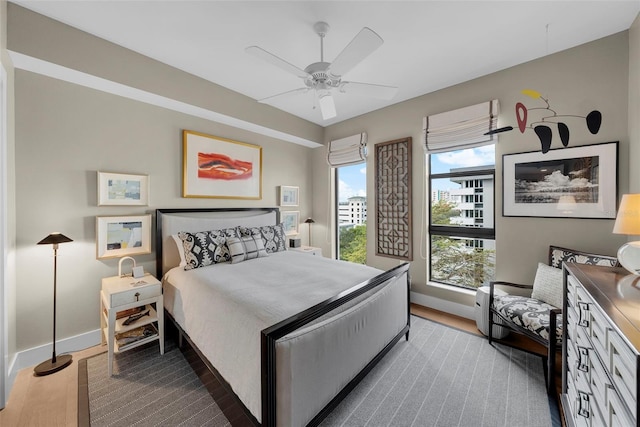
(273, 236)
(547, 286)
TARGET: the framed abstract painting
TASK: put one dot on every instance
(217, 167)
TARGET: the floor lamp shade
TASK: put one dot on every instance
(57, 362)
(628, 222)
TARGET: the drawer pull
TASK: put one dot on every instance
(583, 359)
(583, 317)
(137, 295)
(583, 404)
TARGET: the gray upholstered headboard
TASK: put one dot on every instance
(172, 221)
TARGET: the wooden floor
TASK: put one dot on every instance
(52, 400)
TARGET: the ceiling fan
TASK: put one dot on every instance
(323, 77)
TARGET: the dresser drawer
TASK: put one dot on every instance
(572, 285)
(622, 369)
(598, 330)
(617, 415)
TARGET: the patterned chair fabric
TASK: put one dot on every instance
(558, 255)
(528, 313)
(532, 317)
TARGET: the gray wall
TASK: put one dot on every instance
(591, 76)
(634, 106)
(66, 132)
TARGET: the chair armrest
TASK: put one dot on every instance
(513, 285)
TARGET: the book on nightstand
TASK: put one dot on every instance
(125, 339)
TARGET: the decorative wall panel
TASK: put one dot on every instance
(393, 199)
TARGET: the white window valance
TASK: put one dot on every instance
(462, 128)
(347, 151)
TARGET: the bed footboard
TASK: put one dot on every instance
(294, 339)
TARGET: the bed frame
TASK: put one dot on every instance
(270, 335)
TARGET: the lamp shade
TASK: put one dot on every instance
(628, 222)
(628, 218)
(54, 238)
(309, 221)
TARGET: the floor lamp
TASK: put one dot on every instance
(60, 362)
(309, 221)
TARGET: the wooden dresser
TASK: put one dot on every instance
(601, 346)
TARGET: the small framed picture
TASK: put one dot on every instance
(290, 220)
(119, 189)
(288, 195)
(118, 236)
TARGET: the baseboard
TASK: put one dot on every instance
(443, 305)
(33, 356)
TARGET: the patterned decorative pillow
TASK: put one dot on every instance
(273, 236)
(205, 248)
(245, 247)
(547, 286)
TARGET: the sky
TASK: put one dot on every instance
(352, 179)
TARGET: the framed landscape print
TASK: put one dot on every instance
(216, 167)
(289, 195)
(118, 236)
(290, 220)
(576, 182)
(119, 189)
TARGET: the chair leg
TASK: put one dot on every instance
(490, 329)
(551, 357)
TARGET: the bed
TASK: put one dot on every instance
(290, 333)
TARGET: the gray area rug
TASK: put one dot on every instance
(148, 389)
(446, 377)
(440, 377)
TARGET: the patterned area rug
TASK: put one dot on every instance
(440, 377)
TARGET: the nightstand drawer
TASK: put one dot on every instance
(126, 290)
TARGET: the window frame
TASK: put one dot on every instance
(482, 233)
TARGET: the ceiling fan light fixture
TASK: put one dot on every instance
(327, 106)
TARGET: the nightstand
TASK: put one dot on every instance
(125, 294)
(308, 250)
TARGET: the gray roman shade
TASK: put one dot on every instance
(461, 128)
(348, 151)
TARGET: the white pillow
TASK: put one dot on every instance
(547, 286)
(183, 260)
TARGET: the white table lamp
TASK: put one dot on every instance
(628, 222)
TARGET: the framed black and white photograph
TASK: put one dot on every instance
(290, 221)
(576, 182)
(289, 195)
(118, 236)
(119, 189)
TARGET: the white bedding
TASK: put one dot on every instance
(210, 303)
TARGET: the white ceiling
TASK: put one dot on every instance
(429, 45)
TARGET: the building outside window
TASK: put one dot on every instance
(461, 228)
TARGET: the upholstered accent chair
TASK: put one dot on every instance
(539, 316)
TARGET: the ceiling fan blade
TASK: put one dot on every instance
(362, 45)
(284, 94)
(327, 105)
(274, 60)
(370, 90)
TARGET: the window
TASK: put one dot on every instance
(352, 222)
(461, 229)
